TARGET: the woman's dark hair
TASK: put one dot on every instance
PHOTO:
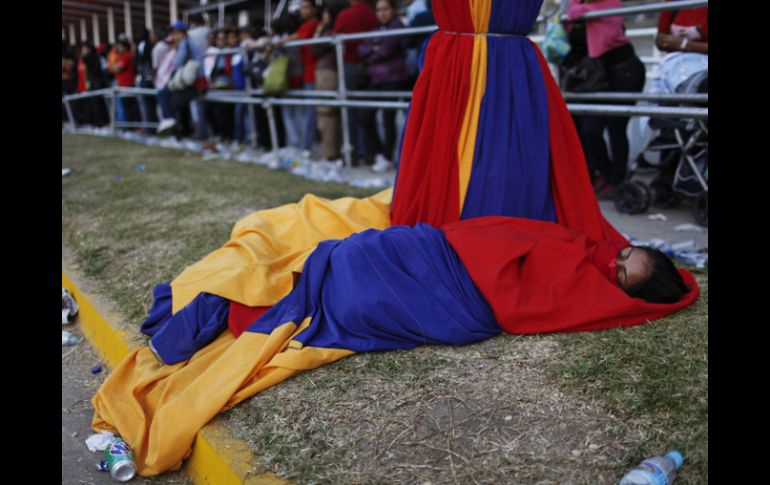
(335, 7)
(393, 4)
(665, 284)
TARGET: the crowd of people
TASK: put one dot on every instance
(184, 62)
(160, 57)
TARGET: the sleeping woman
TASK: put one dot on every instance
(377, 290)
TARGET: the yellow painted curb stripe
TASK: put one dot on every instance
(216, 459)
(113, 345)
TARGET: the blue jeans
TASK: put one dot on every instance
(242, 123)
(293, 122)
(171, 103)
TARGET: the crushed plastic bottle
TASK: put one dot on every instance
(658, 470)
(684, 252)
(69, 307)
(68, 339)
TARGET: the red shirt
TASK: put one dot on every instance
(82, 86)
(359, 17)
(306, 53)
(691, 17)
(127, 75)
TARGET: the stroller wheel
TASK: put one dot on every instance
(663, 195)
(632, 198)
(701, 209)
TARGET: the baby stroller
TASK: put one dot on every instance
(682, 171)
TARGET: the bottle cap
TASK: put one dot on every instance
(676, 457)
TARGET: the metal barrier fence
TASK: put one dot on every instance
(342, 95)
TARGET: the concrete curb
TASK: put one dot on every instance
(217, 458)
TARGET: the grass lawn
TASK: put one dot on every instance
(562, 408)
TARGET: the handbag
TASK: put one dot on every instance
(187, 75)
(276, 76)
(587, 76)
(556, 45)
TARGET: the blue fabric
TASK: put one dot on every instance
(510, 173)
(514, 17)
(177, 337)
(382, 290)
(238, 76)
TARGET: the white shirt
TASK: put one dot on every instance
(158, 52)
(165, 68)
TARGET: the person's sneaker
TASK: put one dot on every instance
(166, 126)
(381, 164)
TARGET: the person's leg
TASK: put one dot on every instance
(293, 137)
(591, 132)
(121, 112)
(238, 123)
(389, 118)
(201, 123)
(367, 131)
(164, 101)
(627, 76)
(227, 121)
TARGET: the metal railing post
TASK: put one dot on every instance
(271, 123)
(113, 110)
(347, 148)
(69, 114)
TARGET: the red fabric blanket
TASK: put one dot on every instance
(540, 277)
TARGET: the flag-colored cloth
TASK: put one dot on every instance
(256, 266)
(541, 277)
(488, 132)
(375, 290)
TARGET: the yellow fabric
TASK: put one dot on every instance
(466, 143)
(480, 12)
(255, 266)
(159, 409)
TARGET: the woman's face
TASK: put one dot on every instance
(385, 12)
(306, 10)
(232, 39)
(221, 40)
(633, 267)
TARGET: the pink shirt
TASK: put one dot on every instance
(603, 34)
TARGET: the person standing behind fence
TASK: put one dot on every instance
(172, 101)
(414, 43)
(90, 78)
(384, 58)
(293, 117)
(327, 79)
(242, 121)
(69, 74)
(124, 70)
(359, 17)
(220, 79)
(625, 72)
(145, 75)
(308, 14)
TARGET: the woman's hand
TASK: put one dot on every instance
(673, 43)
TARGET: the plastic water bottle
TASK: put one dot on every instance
(658, 470)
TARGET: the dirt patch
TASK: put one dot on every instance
(485, 413)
